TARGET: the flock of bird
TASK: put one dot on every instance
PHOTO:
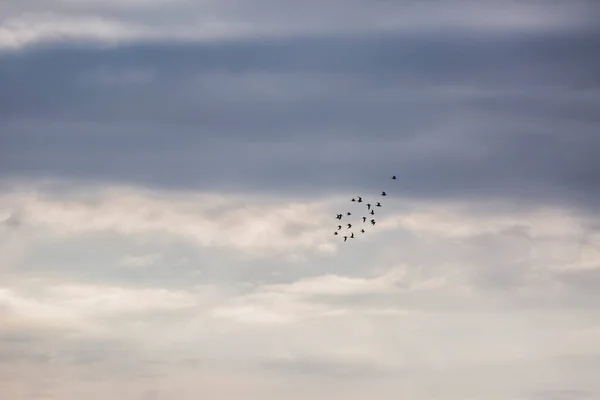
(370, 208)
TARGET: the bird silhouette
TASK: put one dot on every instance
(370, 211)
(394, 177)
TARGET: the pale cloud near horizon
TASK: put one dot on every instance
(382, 320)
(170, 172)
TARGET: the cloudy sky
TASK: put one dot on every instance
(170, 171)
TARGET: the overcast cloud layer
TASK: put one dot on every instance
(170, 170)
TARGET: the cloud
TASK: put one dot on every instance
(564, 395)
(480, 125)
(342, 286)
(342, 367)
(33, 22)
(307, 299)
(248, 225)
(80, 307)
(170, 172)
(16, 32)
(139, 261)
(102, 76)
(408, 305)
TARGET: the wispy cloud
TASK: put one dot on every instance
(334, 285)
(208, 220)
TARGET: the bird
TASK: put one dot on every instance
(353, 199)
(335, 233)
(383, 194)
(378, 204)
(345, 238)
(349, 226)
(368, 206)
(338, 216)
(394, 177)
(359, 199)
(372, 212)
(362, 230)
(364, 219)
(339, 227)
(352, 235)
(348, 213)
(372, 222)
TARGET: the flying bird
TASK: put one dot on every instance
(394, 177)
(370, 211)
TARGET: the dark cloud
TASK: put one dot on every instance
(452, 116)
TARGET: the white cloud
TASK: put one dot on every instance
(416, 299)
(335, 285)
(255, 226)
(22, 30)
(297, 301)
(272, 308)
(78, 306)
(455, 222)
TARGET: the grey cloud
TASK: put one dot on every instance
(585, 280)
(12, 221)
(564, 395)
(452, 117)
(331, 368)
(31, 22)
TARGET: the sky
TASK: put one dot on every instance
(170, 172)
